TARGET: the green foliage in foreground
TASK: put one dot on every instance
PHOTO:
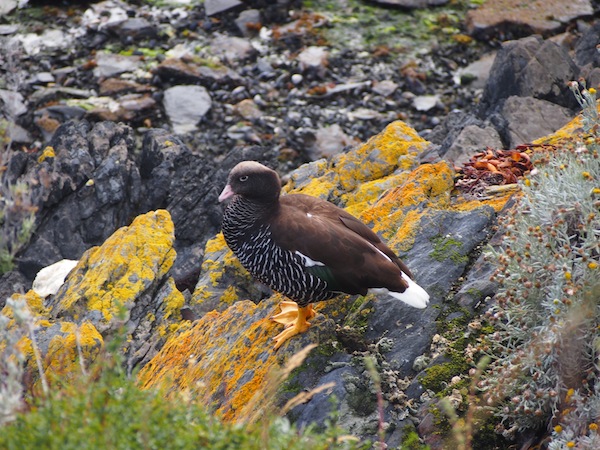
(105, 409)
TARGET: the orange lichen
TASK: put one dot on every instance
(212, 357)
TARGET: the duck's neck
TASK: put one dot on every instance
(243, 215)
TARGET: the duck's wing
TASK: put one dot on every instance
(336, 247)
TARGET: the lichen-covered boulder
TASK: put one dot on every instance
(123, 282)
(413, 207)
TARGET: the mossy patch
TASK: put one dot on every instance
(448, 248)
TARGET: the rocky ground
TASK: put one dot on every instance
(115, 109)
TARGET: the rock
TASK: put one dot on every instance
(518, 18)
(329, 141)
(185, 106)
(113, 86)
(470, 140)
(232, 48)
(248, 22)
(385, 87)
(8, 5)
(528, 119)
(313, 60)
(104, 291)
(530, 67)
(135, 28)
(411, 3)
(109, 65)
(247, 109)
(50, 40)
(11, 282)
(13, 103)
(477, 73)
(91, 187)
(8, 29)
(18, 134)
(425, 102)
(212, 7)
(185, 71)
(51, 278)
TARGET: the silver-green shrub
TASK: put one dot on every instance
(547, 310)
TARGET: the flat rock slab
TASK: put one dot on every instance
(530, 17)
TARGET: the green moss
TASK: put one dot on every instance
(360, 311)
(437, 376)
(445, 247)
(411, 440)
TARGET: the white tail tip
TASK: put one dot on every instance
(414, 295)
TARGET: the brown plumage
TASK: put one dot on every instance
(306, 248)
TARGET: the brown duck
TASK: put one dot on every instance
(306, 248)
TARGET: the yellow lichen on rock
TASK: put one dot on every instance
(68, 347)
(379, 156)
(115, 274)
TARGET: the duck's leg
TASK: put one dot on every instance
(294, 318)
(289, 313)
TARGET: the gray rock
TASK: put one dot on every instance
(248, 17)
(470, 140)
(585, 49)
(212, 7)
(8, 29)
(92, 188)
(109, 65)
(185, 106)
(437, 259)
(136, 28)
(13, 103)
(329, 141)
(385, 87)
(232, 48)
(313, 59)
(530, 67)
(19, 134)
(528, 119)
(477, 73)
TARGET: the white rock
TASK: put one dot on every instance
(425, 102)
(49, 280)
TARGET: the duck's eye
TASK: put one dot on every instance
(244, 178)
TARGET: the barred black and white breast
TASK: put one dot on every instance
(306, 248)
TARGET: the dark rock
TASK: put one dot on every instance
(438, 258)
(586, 51)
(528, 119)
(189, 72)
(137, 28)
(530, 67)
(10, 283)
(92, 188)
